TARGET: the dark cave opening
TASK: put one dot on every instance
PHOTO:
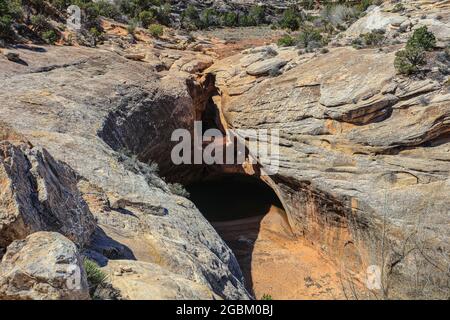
(236, 205)
(232, 197)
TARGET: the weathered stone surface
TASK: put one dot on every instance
(44, 266)
(360, 146)
(148, 281)
(375, 19)
(266, 66)
(39, 193)
(84, 109)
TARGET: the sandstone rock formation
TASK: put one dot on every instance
(148, 281)
(44, 266)
(362, 151)
(364, 161)
(40, 193)
(85, 106)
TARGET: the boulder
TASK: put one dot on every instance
(39, 194)
(376, 19)
(44, 266)
(266, 66)
(136, 280)
(197, 65)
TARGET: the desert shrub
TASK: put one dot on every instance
(257, 14)
(40, 23)
(131, 27)
(148, 170)
(190, 18)
(408, 61)
(147, 18)
(230, 19)
(364, 5)
(338, 15)
(291, 19)
(95, 276)
(91, 15)
(61, 4)
(422, 38)
(5, 25)
(266, 297)
(286, 41)
(209, 18)
(309, 4)
(156, 30)
(179, 190)
(96, 34)
(163, 14)
(399, 7)
(374, 38)
(107, 9)
(50, 36)
(371, 39)
(310, 38)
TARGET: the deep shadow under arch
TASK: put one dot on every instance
(235, 204)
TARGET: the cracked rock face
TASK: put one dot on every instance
(40, 193)
(359, 146)
(44, 266)
(364, 167)
(86, 106)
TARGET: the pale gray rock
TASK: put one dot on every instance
(376, 19)
(266, 66)
(40, 194)
(84, 113)
(44, 266)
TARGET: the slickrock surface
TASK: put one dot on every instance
(364, 175)
(365, 158)
(83, 104)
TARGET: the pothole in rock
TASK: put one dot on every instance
(250, 218)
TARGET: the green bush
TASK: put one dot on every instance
(156, 30)
(131, 27)
(286, 41)
(40, 23)
(408, 61)
(107, 9)
(230, 19)
(190, 18)
(371, 39)
(374, 38)
(179, 190)
(291, 19)
(209, 18)
(5, 26)
(266, 297)
(310, 38)
(422, 38)
(50, 36)
(96, 34)
(95, 276)
(399, 7)
(163, 14)
(258, 15)
(147, 18)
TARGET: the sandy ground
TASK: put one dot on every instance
(277, 264)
